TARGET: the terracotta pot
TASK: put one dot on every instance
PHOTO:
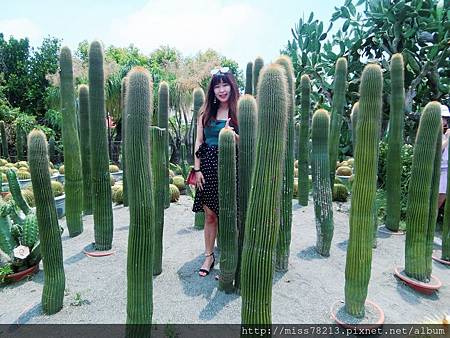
(15, 277)
(425, 288)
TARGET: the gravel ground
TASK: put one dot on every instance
(96, 287)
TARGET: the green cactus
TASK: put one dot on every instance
(140, 190)
(199, 221)
(83, 99)
(249, 78)
(359, 251)
(199, 100)
(287, 190)
(14, 188)
(423, 194)
(395, 140)
(227, 210)
(174, 193)
(337, 110)
(20, 146)
(303, 141)
(101, 187)
(159, 173)
(445, 254)
(247, 138)
(49, 230)
(123, 95)
(4, 140)
(30, 231)
(322, 195)
(72, 156)
(263, 218)
(163, 122)
(340, 192)
(7, 243)
(257, 66)
(23, 175)
(354, 119)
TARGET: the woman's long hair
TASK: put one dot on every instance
(210, 108)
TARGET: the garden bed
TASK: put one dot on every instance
(96, 286)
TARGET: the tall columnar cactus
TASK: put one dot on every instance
(163, 122)
(263, 219)
(157, 138)
(140, 189)
(101, 184)
(287, 189)
(247, 139)
(423, 194)
(337, 110)
(359, 251)
(354, 119)
(83, 101)
(322, 194)
(20, 144)
(199, 100)
(123, 96)
(4, 140)
(395, 139)
(257, 66)
(303, 141)
(73, 179)
(227, 210)
(445, 254)
(49, 231)
(249, 78)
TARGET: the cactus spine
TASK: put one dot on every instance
(4, 140)
(322, 194)
(157, 138)
(359, 251)
(395, 138)
(249, 78)
(163, 122)
(49, 231)
(141, 233)
(303, 142)
(287, 189)
(247, 139)
(354, 119)
(101, 185)
(423, 194)
(123, 96)
(83, 99)
(227, 210)
(72, 156)
(20, 136)
(263, 219)
(257, 66)
(337, 109)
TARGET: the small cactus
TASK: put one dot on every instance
(174, 193)
(340, 193)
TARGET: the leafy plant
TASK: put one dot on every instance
(4, 271)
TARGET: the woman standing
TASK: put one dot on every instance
(219, 111)
(445, 114)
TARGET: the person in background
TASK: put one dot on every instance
(445, 115)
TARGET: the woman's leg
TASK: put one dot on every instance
(210, 237)
(441, 200)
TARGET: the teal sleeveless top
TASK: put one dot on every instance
(212, 132)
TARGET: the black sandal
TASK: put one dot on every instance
(206, 272)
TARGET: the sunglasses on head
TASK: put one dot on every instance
(221, 70)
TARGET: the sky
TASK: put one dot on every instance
(238, 29)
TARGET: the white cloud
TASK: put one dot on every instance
(191, 26)
(20, 28)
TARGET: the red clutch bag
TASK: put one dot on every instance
(191, 180)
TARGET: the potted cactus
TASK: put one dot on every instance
(115, 172)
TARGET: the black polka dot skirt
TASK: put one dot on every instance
(209, 196)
